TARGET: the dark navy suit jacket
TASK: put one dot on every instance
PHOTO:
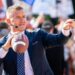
(38, 41)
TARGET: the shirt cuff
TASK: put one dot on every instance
(3, 53)
(66, 32)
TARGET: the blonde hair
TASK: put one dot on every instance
(12, 9)
(19, 4)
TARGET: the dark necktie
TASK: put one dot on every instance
(20, 64)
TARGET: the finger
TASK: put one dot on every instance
(9, 39)
(73, 24)
(24, 37)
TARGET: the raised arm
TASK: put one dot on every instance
(5, 44)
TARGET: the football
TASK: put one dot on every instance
(20, 43)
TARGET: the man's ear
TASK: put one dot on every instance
(8, 21)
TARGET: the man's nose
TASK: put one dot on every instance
(22, 19)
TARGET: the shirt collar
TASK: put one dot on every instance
(14, 33)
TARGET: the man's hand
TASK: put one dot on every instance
(7, 45)
(20, 43)
(69, 24)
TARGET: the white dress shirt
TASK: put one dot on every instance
(28, 66)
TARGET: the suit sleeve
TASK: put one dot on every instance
(2, 52)
(51, 40)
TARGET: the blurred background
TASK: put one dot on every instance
(54, 9)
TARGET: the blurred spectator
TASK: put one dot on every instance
(59, 24)
(4, 29)
(9, 2)
(66, 59)
(48, 26)
(71, 48)
(65, 51)
(37, 22)
(2, 15)
(1, 69)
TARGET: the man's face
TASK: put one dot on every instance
(18, 21)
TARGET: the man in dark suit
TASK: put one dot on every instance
(35, 59)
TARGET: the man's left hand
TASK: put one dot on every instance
(69, 24)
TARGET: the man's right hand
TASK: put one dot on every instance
(20, 43)
(7, 45)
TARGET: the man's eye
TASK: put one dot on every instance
(17, 17)
(24, 16)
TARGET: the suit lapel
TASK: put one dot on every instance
(30, 51)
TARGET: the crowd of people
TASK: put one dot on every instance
(49, 48)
